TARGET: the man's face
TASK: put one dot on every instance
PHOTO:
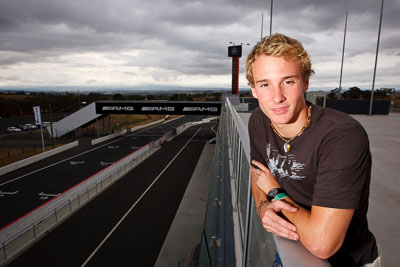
(279, 88)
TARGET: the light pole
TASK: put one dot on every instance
(341, 66)
(376, 61)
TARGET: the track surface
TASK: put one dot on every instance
(27, 188)
(127, 224)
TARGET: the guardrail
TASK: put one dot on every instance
(254, 246)
(30, 227)
(19, 164)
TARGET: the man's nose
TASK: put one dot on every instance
(278, 95)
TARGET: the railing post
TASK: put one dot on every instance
(4, 251)
(34, 230)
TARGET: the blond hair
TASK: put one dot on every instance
(279, 45)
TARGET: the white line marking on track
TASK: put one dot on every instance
(8, 193)
(48, 195)
(102, 163)
(76, 162)
(134, 204)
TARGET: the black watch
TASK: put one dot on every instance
(273, 192)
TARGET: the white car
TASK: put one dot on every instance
(13, 129)
(31, 126)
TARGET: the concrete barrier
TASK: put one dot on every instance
(22, 163)
(108, 137)
(146, 125)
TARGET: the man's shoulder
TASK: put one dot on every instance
(257, 122)
(257, 116)
(334, 117)
(334, 121)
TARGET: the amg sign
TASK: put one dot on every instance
(200, 109)
(117, 108)
(158, 107)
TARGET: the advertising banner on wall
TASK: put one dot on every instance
(158, 107)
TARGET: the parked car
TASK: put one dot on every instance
(23, 127)
(13, 129)
(31, 126)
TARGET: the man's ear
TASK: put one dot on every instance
(306, 82)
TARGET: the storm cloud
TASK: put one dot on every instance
(184, 42)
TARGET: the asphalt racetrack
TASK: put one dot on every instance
(126, 225)
(30, 187)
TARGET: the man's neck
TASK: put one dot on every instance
(292, 129)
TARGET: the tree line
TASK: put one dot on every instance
(22, 103)
(357, 93)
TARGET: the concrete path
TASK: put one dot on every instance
(185, 232)
(384, 211)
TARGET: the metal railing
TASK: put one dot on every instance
(253, 245)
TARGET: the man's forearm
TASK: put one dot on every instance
(321, 230)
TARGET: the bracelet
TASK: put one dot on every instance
(260, 205)
(279, 197)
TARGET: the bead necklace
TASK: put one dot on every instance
(286, 145)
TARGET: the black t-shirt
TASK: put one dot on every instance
(329, 165)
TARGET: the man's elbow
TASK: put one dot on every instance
(324, 250)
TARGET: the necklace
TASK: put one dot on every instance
(286, 145)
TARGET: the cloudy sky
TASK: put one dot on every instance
(122, 43)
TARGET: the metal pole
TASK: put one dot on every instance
(376, 61)
(270, 18)
(41, 132)
(262, 24)
(341, 67)
(51, 126)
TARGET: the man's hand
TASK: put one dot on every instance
(274, 223)
(270, 213)
(263, 177)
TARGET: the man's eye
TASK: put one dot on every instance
(264, 85)
(288, 82)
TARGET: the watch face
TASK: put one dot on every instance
(272, 193)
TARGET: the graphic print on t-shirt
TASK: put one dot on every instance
(283, 166)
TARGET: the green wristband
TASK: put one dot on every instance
(279, 197)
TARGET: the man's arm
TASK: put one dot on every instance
(321, 230)
(269, 213)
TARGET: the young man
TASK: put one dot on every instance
(311, 165)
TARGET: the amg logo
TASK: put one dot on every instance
(117, 108)
(155, 108)
(201, 109)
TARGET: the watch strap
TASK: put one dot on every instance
(273, 192)
(280, 196)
